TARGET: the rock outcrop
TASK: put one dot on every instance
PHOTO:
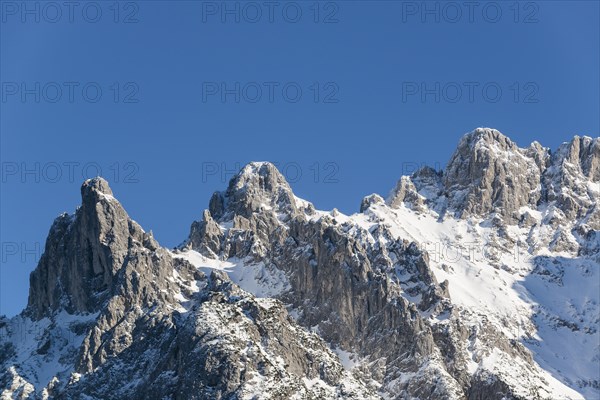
(490, 173)
(440, 291)
(118, 316)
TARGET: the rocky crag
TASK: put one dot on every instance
(480, 281)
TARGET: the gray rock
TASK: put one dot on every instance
(135, 340)
(123, 317)
(489, 173)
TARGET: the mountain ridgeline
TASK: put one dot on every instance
(480, 281)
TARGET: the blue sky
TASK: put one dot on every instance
(166, 99)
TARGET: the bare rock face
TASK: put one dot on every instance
(363, 291)
(572, 179)
(257, 187)
(489, 173)
(85, 254)
(490, 177)
(117, 315)
(406, 192)
(227, 345)
(205, 235)
(269, 298)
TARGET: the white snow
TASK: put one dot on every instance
(36, 366)
(349, 360)
(255, 278)
(506, 291)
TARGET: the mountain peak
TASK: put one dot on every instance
(258, 185)
(97, 184)
(489, 172)
(312, 299)
(483, 131)
(584, 152)
(83, 253)
(486, 137)
(94, 190)
(261, 175)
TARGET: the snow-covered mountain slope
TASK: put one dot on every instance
(477, 282)
(547, 300)
(111, 314)
(541, 243)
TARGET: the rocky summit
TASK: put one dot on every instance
(480, 281)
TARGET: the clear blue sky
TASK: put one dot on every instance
(379, 80)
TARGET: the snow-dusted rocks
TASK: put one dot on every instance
(112, 314)
(572, 179)
(489, 173)
(86, 253)
(477, 282)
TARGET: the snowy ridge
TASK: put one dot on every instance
(510, 289)
(255, 278)
(481, 281)
(43, 350)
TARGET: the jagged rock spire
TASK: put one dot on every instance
(258, 199)
(83, 254)
(163, 329)
(490, 173)
(257, 185)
